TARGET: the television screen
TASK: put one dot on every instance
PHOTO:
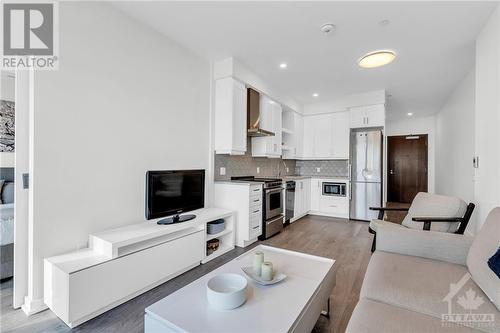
(174, 192)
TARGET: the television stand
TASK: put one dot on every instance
(176, 219)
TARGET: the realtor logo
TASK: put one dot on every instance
(28, 29)
(469, 311)
(29, 35)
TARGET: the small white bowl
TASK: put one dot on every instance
(227, 291)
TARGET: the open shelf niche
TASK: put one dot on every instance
(226, 239)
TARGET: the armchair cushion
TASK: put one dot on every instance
(484, 246)
(441, 246)
(374, 224)
(426, 204)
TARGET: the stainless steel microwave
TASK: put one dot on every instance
(334, 189)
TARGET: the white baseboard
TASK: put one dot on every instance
(30, 306)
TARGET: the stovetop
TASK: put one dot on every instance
(268, 182)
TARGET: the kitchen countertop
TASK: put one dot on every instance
(316, 177)
(239, 182)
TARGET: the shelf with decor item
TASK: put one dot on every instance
(221, 233)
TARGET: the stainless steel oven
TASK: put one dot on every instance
(334, 189)
(273, 202)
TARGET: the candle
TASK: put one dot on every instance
(267, 271)
(258, 259)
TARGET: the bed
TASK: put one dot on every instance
(6, 222)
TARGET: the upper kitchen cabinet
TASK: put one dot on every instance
(367, 116)
(292, 135)
(230, 117)
(270, 121)
(326, 136)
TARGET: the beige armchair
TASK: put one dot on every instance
(428, 212)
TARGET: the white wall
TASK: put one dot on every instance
(232, 67)
(124, 100)
(347, 101)
(455, 142)
(423, 125)
(7, 92)
(487, 120)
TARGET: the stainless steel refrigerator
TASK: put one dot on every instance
(366, 174)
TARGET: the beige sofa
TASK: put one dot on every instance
(428, 281)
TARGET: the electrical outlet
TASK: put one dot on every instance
(258, 169)
(318, 170)
(287, 170)
(222, 171)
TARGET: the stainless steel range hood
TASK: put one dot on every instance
(253, 115)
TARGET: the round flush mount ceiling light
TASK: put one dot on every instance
(283, 65)
(410, 114)
(315, 95)
(376, 59)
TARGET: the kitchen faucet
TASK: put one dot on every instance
(279, 168)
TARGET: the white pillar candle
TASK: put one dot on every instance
(267, 271)
(258, 259)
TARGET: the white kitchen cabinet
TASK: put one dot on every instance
(271, 120)
(246, 200)
(292, 140)
(326, 136)
(315, 194)
(367, 116)
(230, 117)
(340, 135)
(328, 205)
(302, 198)
(299, 135)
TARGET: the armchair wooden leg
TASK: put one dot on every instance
(374, 242)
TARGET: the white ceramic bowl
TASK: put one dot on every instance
(227, 291)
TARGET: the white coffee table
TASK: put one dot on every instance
(292, 305)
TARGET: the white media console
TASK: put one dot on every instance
(125, 262)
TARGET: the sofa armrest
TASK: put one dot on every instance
(441, 246)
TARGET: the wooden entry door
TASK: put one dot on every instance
(406, 167)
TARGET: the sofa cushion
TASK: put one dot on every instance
(483, 247)
(433, 205)
(372, 316)
(422, 285)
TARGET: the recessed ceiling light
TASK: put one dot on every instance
(327, 28)
(384, 23)
(315, 95)
(283, 65)
(376, 59)
(410, 114)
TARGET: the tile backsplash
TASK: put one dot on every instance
(246, 165)
(337, 168)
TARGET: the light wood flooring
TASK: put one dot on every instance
(348, 242)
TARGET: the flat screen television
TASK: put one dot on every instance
(172, 192)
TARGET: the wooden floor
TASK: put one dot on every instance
(348, 242)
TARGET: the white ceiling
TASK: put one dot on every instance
(434, 42)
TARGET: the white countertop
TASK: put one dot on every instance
(239, 182)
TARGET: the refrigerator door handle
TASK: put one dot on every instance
(350, 191)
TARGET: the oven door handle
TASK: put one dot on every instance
(274, 190)
(279, 217)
